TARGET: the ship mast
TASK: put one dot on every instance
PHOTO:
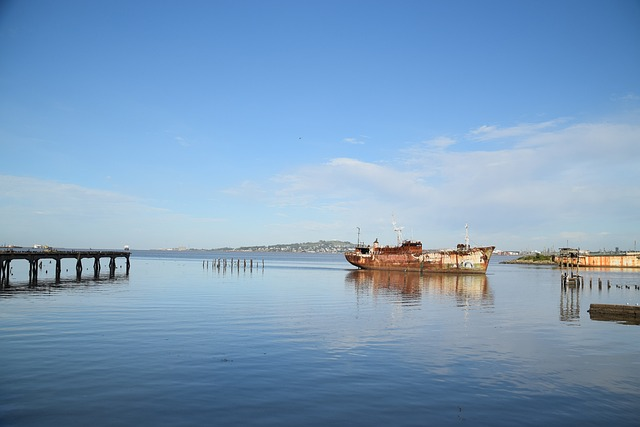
(466, 236)
(397, 229)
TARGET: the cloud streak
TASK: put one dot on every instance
(488, 133)
(355, 141)
(70, 215)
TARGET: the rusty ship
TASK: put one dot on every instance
(408, 255)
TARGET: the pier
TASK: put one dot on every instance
(34, 257)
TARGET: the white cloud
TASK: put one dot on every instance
(486, 133)
(548, 179)
(57, 199)
(247, 189)
(70, 215)
(181, 141)
(346, 179)
(627, 97)
(354, 141)
(441, 142)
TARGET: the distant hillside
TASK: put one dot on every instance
(327, 246)
(537, 259)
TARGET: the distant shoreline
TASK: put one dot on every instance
(322, 246)
(531, 260)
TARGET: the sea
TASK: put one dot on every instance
(203, 338)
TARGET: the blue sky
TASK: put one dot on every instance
(228, 123)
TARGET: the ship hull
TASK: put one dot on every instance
(459, 261)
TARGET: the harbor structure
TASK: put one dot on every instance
(35, 257)
(573, 257)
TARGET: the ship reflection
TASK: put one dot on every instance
(465, 289)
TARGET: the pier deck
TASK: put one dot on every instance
(35, 256)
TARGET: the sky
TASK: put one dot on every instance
(208, 124)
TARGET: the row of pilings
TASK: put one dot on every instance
(223, 264)
(572, 286)
(578, 281)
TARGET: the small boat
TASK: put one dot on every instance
(408, 255)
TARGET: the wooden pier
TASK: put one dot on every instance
(34, 257)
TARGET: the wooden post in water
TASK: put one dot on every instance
(58, 268)
(33, 271)
(5, 272)
(112, 267)
(79, 268)
(96, 267)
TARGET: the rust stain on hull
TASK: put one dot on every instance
(622, 261)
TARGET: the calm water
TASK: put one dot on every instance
(307, 340)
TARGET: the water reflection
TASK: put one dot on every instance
(570, 303)
(465, 289)
(616, 288)
(50, 286)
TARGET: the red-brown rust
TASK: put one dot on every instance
(409, 256)
(624, 260)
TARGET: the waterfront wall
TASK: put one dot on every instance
(628, 260)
